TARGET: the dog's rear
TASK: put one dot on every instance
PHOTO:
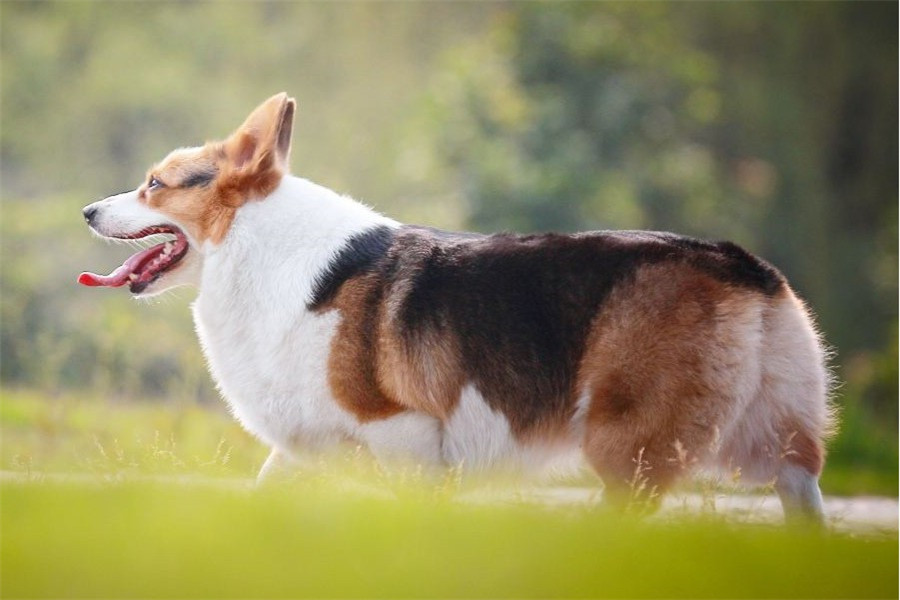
(656, 354)
(685, 373)
(789, 417)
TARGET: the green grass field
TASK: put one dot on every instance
(144, 540)
(161, 510)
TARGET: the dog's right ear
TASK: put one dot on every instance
(263, 143)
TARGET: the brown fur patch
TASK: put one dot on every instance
(352, 369)
(651, 370)
(205, 211)
(803, 450)
(374, 373)
(423, 372)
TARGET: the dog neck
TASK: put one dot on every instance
(282, 243)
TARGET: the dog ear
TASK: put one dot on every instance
(263, 142)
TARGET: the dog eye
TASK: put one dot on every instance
(154, 183)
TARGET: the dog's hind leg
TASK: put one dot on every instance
(800, 495)
(780, 435)
(667, 368)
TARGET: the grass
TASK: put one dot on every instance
(349, 531)
(862, 459)
(150, 540)
(77, 433)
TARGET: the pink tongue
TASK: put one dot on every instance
(119, 276)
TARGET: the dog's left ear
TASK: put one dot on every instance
(263, 142)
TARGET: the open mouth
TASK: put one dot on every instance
(146, 266)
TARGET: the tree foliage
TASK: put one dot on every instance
(771, 124)
(765, 124)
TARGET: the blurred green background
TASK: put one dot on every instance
(770, 124)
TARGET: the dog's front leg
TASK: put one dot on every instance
(277, 462)
(406, 439)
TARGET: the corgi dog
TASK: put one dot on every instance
(323, 320)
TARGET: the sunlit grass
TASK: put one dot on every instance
(83, 433)
(166, 510)
(78, 433)
(317, 539)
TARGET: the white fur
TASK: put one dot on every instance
(274, 463)
(122, 214)
(409, 437)
(578, 424)
(792, 385)
(266, 351)
(478, 438)
(799, 493)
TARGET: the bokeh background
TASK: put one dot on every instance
(770, 124)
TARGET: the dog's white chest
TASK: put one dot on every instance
(269, 358)
(267, 352)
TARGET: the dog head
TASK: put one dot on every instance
(191, 198)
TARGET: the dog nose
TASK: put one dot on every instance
(89, 211)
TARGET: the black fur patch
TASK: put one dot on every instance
(358, 255)
(522, 306)
(725, 261)
(198, 179)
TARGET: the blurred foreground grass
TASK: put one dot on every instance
(77, 433)
(153, 540)
(120, 533)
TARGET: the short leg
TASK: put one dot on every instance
(632, 483)
(409, 437)
(800, 495)
(275, 463)
(638, 466)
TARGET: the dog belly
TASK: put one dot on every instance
(409, 438)
(478, 439)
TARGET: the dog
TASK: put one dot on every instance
(322, 320)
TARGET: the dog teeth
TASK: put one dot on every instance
(132, 277)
